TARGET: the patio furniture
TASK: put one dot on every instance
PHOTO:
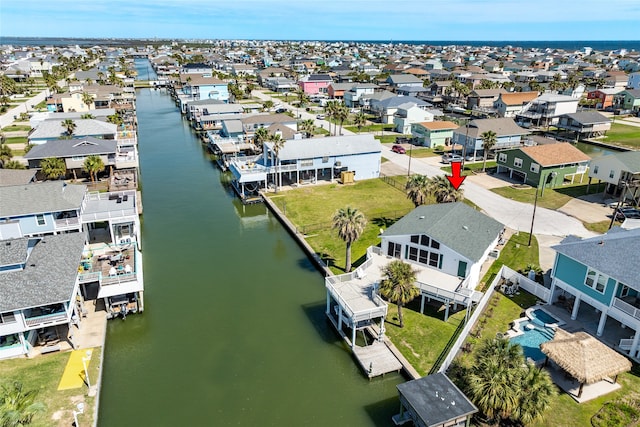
(113, 271)
(127, 269)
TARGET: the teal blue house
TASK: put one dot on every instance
(602, 274)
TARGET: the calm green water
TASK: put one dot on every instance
(234, 331)
(594, 151)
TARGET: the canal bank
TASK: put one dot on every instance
(234, 330)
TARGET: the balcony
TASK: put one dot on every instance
(45, 316)
(627, 308)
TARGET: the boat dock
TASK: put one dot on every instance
(376, 359)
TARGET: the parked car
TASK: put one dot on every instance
(320, 117)
(398, 149)
(281, 110)
(450, 157)
(473, 158)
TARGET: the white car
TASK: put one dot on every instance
(320, 117)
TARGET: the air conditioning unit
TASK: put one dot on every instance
(494, 253)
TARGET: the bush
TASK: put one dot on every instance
(618, 413)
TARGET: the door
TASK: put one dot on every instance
(462, 269)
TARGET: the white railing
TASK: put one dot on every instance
(357, 316)
(625, 344)
(118, 279)
(45, 319)
(528, 285)
(67, 222)
(127, 141)
(121, 213)
(471, 322)
(626, 308)
(93, 276)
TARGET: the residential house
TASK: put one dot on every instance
(204, 114)
(53, 129)
(438, 91)
(616, 80)
(402, 80)
(433, 134)
(315, 83)
(598, 279)
(197, 68)
(280, 84)
(633, 81)
(605, 97)
(243, 70)
(512, 103)
(630, 99)
(546, 110)
(433, 401)
(49, 265)
(408, 114)
(508, 134)
(308, 161)
(270, 72)
(252, 122)
(483, 98)
(388, 107)
(452, 240)
(337, 90)
(619, 170)
(196, 87)
(16, 177)
(358, 94)
(544, 166)
(586, 124)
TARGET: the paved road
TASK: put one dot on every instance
(515, 215)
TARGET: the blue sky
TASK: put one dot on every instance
(326, 19)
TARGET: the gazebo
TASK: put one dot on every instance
(584, 357)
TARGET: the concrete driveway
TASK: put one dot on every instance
(515, 215)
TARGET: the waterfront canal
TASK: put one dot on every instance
(234, 330)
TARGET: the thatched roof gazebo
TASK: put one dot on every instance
(584, 357)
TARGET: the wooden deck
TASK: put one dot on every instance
(376, 359)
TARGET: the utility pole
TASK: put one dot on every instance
(533, 217)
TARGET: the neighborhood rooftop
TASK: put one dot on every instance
(328, 147)
(555, 154)
(51, 196)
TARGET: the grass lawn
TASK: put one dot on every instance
(311, 210)
(43, 373)
(424, 336)
(515, 255)
(16, 140)
(551, 199)
(320, 131)
(623, 135)
(14, 128)
(597, 227)
(389, 139)
(373, 127)
(422, 152)
(469, 168)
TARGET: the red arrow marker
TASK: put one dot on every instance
(455, 179)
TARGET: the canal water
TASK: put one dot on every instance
(234, 330)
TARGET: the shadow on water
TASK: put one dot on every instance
(315, 312)
(381, 412)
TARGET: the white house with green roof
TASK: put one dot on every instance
(451, 238)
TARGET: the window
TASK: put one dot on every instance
(611, 174)
(502, 158)
(424, 240)
(535, 168)
(40, 220)
(415, 239)
(77, 158)
(434, 259)
(325, 160)
(394, 249)
(517, 162)
(306, 163)
(7, 317)
(624, 290)
(595, 169)
(424, 256)
(596, 280)
(435, 245)
(413, 253)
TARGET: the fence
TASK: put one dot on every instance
(469, 325)
(393, 182)
(527, 284)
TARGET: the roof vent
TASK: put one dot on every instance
(8, 244)
(601, 243)
(421, 217)
(32, 265)
(465, 227)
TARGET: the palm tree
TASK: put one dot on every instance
(418, 189)
(441, 189)
(489, 139)
(115, 119)
(69, 126)
(259, 136)
(87, 116)
(87, 99)
(350, 223)
(330, 110)
(267, 105)
(491, 387)
(93, 165)
(307, 126)
(398, 285)
(18, 407)
(5, 153)
(277, 144)
(341, 114)
(53, 167)
(537, 391)
(360, 120)
(13, 164)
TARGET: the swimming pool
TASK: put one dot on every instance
(541, 317)
(533, 335)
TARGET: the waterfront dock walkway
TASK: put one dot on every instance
(376, 359)
(74, 373)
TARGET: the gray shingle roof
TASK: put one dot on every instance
(49, 275)
(53, 196)
(16, 176)
(400, 100)
(436, 400)
(455, 225)
(588, 117)
(72, 147)
(404, 78)
(501, 126)
(615, 254)
(52, 129)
